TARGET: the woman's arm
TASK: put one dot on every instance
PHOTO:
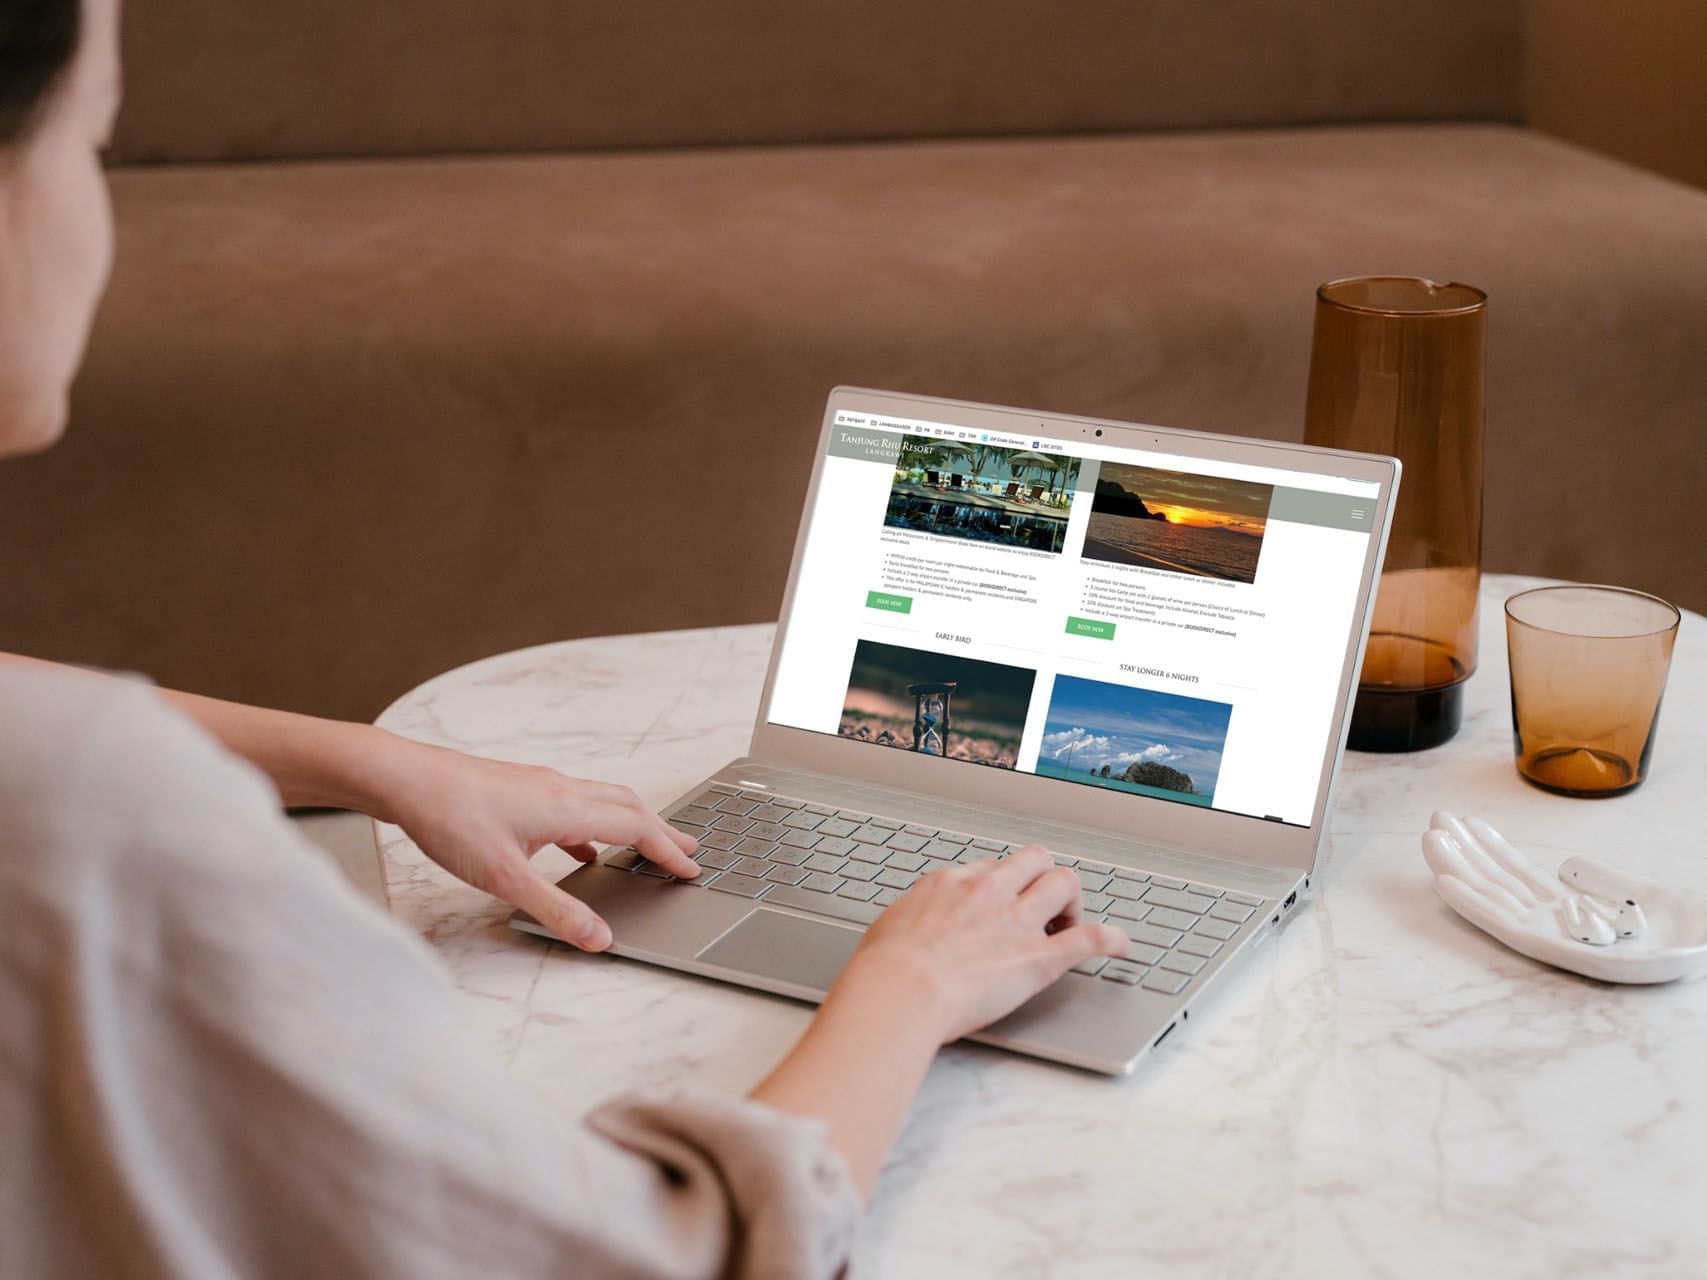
(481, 820)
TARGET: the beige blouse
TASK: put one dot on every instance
(216, 1059)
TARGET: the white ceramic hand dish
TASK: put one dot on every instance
(1589, 918)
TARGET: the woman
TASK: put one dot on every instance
(215, 1059)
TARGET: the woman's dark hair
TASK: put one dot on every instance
(37, 41)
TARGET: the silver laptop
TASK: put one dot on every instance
(1136, 646)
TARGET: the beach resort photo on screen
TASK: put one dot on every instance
(937, 704)
(982, 492)
(1178, 521)
(1138, 740)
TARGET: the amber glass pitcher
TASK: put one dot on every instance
(1396, 367)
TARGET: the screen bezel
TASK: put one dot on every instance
(1238, 837)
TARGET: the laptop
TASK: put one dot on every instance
(1136, 646)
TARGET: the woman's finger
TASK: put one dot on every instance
(579, 850)
(1054, 895)
(1068, 947)
(643, 830)
(1016, 871)
(567, 917)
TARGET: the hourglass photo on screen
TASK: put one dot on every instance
(938, 704)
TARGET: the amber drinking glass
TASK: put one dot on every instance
(1588, 666)
(1396, 367)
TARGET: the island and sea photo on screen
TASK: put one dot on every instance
(936, 703)
(982, 492)
(1178, 521)
(1138, 740)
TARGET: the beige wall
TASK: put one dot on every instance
(1629, 79)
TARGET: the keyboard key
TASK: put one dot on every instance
(1143, 953)
(861, 871)
(858, 819)
(1168, 918)
(837, 827)
(654, 870)
(1128, 910)
(858, 892)
(1181, 964)
(823, 903)
(1199, 946)
(1244, 899)
(822, 810)
(1093, 881)
(724, 788)
(1231, 912)
(906, 843)
(740, 806)
(717, 860)
(953, 837)
(1062, 860)
(755, 867)
(1179, 901)
(946, 850)
(835, 847)
(1120, 971)
(800, 839)
(886, 896)
(771, 831)
(783, 802)
(789, 856)
(1096, 868)
(905, 861)
(825, 863)
(1169, 984)
(781, 873)
(973, 854)
(914, 829)
(869, 853)
(1213, 928)
(1096, 902)
(701, 880)
(1128, 873)
(772, 813)
(729, 822)
(754, 848)
(1168, 882)
(695, 814)
(891, 823)
(804, 821)
(994, 846)
(1090, 967)
(757, 795)
(870, 834)
(719, 840)
(1207, 890)
(890, 878)
(1127, 889)
(743, 886)
(1147, 933)
(818, 882)
(627, 860)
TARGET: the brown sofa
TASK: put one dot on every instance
(443, 329)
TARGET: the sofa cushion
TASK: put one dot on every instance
(344, 425)
(209, 79)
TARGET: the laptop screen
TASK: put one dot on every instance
(1162, 626)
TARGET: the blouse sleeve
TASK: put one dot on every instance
(217, 1059)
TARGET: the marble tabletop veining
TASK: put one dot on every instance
(1383, 1092)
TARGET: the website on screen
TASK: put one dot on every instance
(1143, 622)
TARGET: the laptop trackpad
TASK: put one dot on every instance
(791, 949)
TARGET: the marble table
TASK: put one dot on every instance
(1387, 1093)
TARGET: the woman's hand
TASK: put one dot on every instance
(981, 940)
(962, 947)
(483, 820)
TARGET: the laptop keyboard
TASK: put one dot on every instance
(848, 866)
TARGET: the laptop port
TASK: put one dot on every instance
(1165, 1034)
(1290, 899)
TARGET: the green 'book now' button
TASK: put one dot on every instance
(888, 600)
(1090, 627)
